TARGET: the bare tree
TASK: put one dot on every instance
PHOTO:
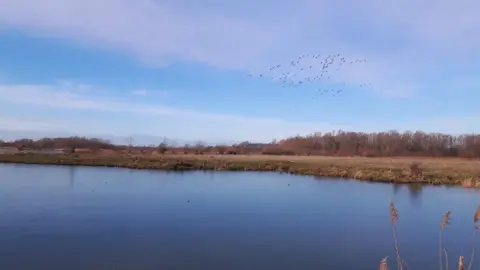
(129, 144)
(163, 147)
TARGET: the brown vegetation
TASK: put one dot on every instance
(390, 156)
(383, 144)
(394, 218)
(434, 171)
(443, 224)
(59, 143)
(445, 221)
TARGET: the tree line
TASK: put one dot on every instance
(59, 143)
(338, 143)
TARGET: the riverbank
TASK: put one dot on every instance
(429, 170)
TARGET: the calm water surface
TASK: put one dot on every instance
(98, 218)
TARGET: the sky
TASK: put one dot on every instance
(179, 69)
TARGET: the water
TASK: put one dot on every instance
(100, 218)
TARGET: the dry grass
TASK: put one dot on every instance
(443, 224)
(476, 218)
(383, 264)
(403, 170)
(394, 217)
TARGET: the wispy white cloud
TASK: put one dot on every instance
(68, 85)
(403, 41)
(160, 120)
(123, 118)
(29, 124)
(150, 93)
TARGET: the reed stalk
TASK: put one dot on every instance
(394, 218)
(476, 218)
(444, 223)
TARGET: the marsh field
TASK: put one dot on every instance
(450, 171)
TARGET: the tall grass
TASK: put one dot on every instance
(445, 221)
(383, 264)
(394, 218)
(476, 218)
(442, 251)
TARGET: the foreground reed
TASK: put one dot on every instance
(476, 218)
(394, 217)
(383, 264)
(444, 223)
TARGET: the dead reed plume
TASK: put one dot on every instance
(476, 226)
(383, 264)
(445, 221)
(394, 217)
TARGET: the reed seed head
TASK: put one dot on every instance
(393, 212)
(460, 263)
(476, 216)
(383, 264)
(446, 219)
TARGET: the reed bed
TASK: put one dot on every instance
(443, 254)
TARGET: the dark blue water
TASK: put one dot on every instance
(99, 218)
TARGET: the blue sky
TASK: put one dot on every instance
(178, 69)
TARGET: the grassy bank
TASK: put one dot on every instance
(429, 171)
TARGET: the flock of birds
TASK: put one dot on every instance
(312, 69)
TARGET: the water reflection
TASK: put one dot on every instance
(396, 187)
(415, 193)
(72, 171)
